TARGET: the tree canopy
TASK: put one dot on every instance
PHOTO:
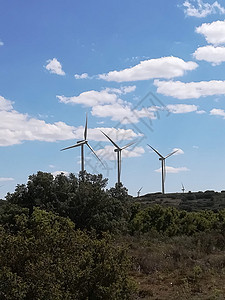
(84, 199)
(45, 258)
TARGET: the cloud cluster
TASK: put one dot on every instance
(199, 9)
(54, 67)
(181, 90)
(1, 43)
(164, 67)
(107, 103)
(16, 127)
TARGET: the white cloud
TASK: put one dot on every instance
(214, 55)
(108, 152)
(107, 103)
(200, 112)
(181, 108)
(181, 90)
(214, 32)
(82, 76)
(5, 104)
(16, 127)
(2, 179)
(51, 166)
(179, 151)
(164, 67)
(116, 134)
(217, 112)
(122, 90)
(90, 98)
(173, 170)
(123, 112)
(1, 43)
(54, 66)
(93, 98)
(60, 172)
(201, 9)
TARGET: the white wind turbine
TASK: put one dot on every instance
(118, 150)
(139, 191)
(81, 144)
(183, 188)
(162, 158)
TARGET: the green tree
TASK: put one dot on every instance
(46, 259)
(83, 199)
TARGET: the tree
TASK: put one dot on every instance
(46, 259)
(83, 199)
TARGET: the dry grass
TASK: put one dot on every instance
(180, 267)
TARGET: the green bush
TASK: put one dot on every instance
(46, 259)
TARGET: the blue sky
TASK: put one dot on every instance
(149, 71)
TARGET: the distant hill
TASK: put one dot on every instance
(191, 201)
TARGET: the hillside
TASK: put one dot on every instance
(191, 201)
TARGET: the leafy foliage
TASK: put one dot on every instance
(82, 199)
(171, 221)
(47, 259)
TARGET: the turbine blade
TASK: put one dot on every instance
(171, 153)
(74, 146)
(95, 154)
(85, 130)
(111, 140)
(128, 145)
(140, 189)
(155, 151)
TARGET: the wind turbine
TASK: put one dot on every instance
(162, 158)
(81, 144)
(139, 191)
(118, 150)
(183, 189)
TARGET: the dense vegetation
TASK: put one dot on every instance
(70, 238)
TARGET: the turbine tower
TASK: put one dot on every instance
(118, 150)
(183, 189)
(81, 144)
(163, 159)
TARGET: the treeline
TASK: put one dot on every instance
(170, 221)
(57, 237)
